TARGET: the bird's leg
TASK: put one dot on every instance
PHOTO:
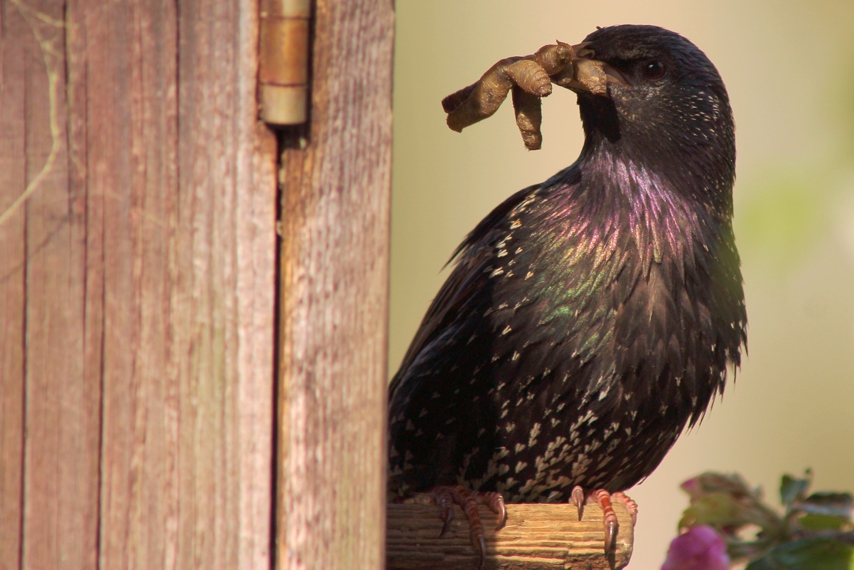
(446, 496)
(609, 517)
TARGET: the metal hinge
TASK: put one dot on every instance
(283, 61)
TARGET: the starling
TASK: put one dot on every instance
(591, 318)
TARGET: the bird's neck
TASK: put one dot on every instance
(661, 217)
(697, 163)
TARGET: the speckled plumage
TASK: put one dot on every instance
(590, 318)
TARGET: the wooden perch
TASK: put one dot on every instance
(538, 536)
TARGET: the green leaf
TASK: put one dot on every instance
(813, 553)
(793, 489)
(717, 509)
(822, 522)
(832, 504)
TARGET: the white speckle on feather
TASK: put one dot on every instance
(535, 431)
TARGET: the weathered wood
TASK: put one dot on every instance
(225, 247)
(137, 288)
(334, 277)
(536, 536)
(16, 45)
(58, 493)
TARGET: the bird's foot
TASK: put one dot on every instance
(609, 517)
(627, 502)
(446, 496)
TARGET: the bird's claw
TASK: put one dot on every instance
(610, 536)
(577, 499)
(609, 517)
(445, 497)
(481, 551)
(495, 502)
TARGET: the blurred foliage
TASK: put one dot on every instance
(781, 220)
(810, 553)
(841, 104)
(814, 532)
(787, 208)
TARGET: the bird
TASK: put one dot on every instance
(589, 319)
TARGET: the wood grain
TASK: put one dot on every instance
(59, 405)
(335, 216)
(16, 46)
(137, 289)
(536, 536)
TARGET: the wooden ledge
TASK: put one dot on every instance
(536, 536)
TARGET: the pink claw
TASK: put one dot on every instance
(577, 499)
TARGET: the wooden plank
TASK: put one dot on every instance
(181, 180)
(538, 536)
(61, 405)
(138, 290)
(13, 180)
(122, 65)
(334, 279)
(226, 247)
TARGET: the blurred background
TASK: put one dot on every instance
(789, 69)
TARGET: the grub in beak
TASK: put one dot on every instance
(529, 78)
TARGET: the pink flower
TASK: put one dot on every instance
(701, 548)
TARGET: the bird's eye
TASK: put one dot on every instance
(654, 70)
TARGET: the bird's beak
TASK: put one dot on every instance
(588, 75)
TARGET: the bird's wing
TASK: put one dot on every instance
(466, 278)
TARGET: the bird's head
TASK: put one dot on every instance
(665, 106)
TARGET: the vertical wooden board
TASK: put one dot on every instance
(61, 407)
(156, 286)
(334, 299)
(188, 226)
(124, 147)
(255, 302)
(204, 237)
(226, 260)
(13, 34)
(78, 125)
